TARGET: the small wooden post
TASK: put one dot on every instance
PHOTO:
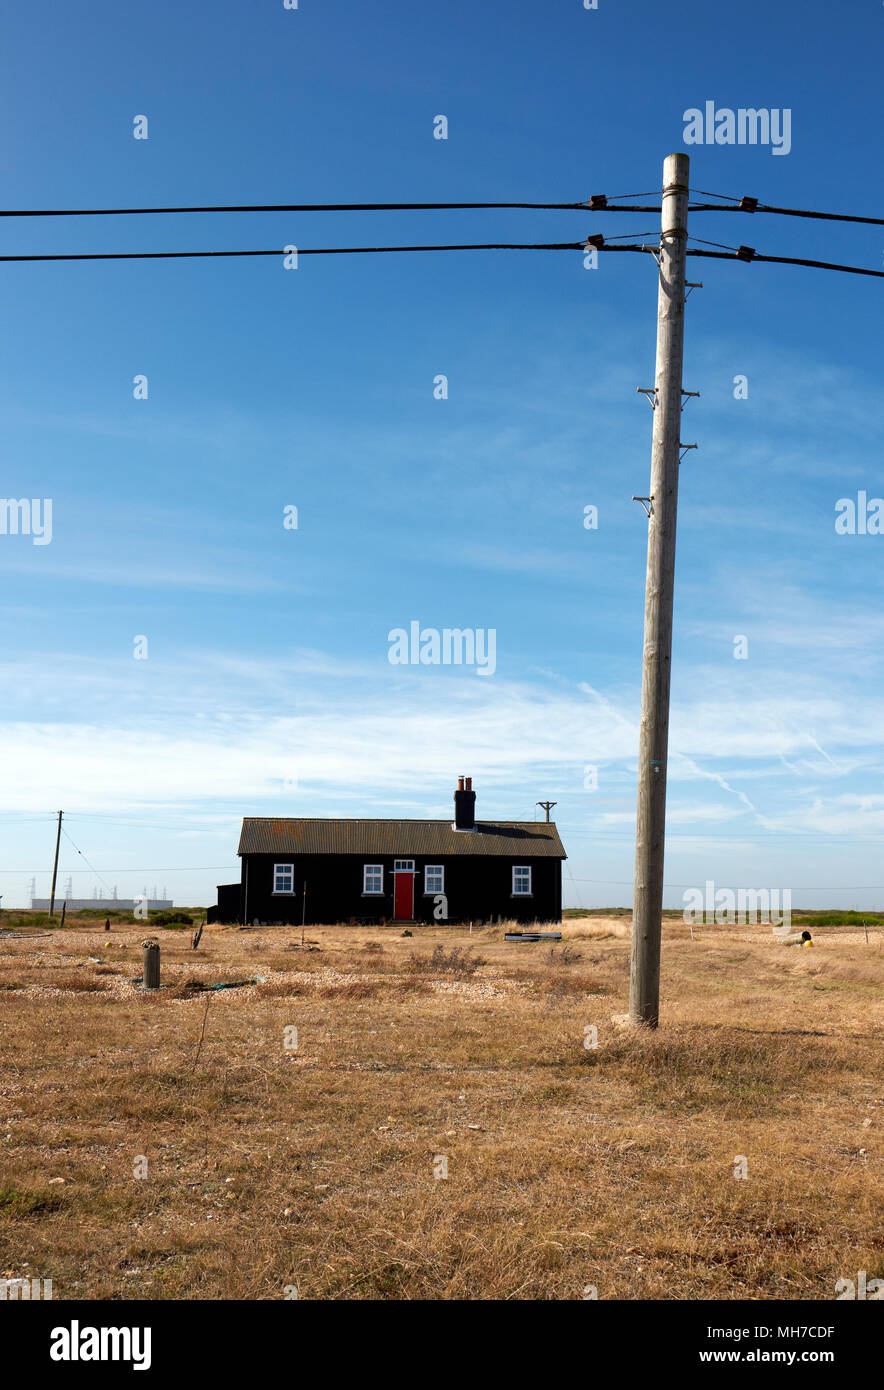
(150, 965)
(64, 908)
(107, 924)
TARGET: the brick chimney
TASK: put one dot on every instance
(464, 805)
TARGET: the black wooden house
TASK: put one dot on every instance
(298, 869)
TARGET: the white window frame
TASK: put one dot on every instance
(403, 866)
(434, 869)
(375, 872)
(289, 871)
(522, 869)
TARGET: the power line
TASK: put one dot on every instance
(752, 205)
(786, 838)
(612, 882)
(704, 193)
(174, 869)
(653, 193)
(598, 202)
(204, 827)
(796, 888)
(606, 240)
(748, 253)
(85, 860)
(741, 253)
(722, 245)
(302, 251)
(283, 207)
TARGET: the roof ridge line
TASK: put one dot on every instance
(385, 820)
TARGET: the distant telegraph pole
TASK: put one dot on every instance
(547, 806)
(644, 983)
(55, 867)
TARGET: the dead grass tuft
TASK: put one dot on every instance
(458, 961)
(563, 955)
(280, 989)
(21, 1202)
(353, 989)
(77, 981)
(695, 1070)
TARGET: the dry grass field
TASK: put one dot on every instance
(567, 1165)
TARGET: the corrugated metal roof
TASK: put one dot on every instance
(285, 835)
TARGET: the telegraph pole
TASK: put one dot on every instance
(547, 807)
(647, 910)
(55, 867)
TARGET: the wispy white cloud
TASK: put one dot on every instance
(722, 782)
(312, 727)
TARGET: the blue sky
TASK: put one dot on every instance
(267, 687)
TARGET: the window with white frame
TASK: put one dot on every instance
(434, 878)
(283, 878)
(521, 880)
(373, 878)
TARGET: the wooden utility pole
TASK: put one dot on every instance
(55, 867)
(547, 806)
(647, 909)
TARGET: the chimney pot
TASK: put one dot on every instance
(464, 805)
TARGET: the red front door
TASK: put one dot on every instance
(403, 893)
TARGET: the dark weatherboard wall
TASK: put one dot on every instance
(477, 889)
